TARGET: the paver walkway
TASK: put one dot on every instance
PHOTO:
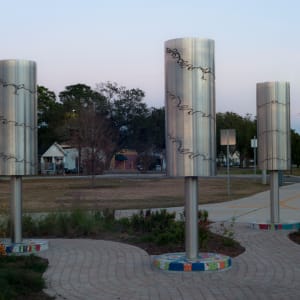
(97, 269)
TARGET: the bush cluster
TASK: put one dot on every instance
(158, 227)
(21, 276)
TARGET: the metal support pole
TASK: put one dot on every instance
(274, 197)
(191, 216)
(254, 149)
(264, 177)
(16, 209)
(228, 174)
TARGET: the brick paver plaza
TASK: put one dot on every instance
(97, 269)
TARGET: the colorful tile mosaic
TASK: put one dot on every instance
(276, 226)
(204, 262)
(26, 247)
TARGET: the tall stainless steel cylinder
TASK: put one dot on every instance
(190, 107)
(274, 142)
(273, 125)
(18, 117)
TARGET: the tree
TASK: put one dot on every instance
(78, 96)
(139, 127)
(87, 126)
(126, 109)
(96, 139)
(295, 148)
(50, 116)
(150, 137)
(157, 128)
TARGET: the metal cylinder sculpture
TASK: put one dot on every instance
(18, 131)
(190, 121)
(273, 129)
(273, 124)
(190, 107)
(18, 118)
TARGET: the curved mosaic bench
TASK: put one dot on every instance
(204, 262)
(276, 226)
(26, 247)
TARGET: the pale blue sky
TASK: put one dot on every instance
(93, 41)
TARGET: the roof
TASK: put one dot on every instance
(55, 150)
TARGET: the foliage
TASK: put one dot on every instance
(126, 110)
(203, 234)
(21, 275)
(126, 122)
(79, 96)
(96, 139)
(76, 223)
(139, 127)
(3, 228)
(295, 146)
(158, 227)
(226, 230)
(50, 117)
(149, 229)
(87, 126)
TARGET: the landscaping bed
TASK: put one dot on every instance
(21, 278)
(295, 236)
(155, 232)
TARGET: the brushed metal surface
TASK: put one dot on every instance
(191, 217)
(18, 117)
(16, 209)
(273, 125)
(190, 107)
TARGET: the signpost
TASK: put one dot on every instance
(254, 146)
(228, 138)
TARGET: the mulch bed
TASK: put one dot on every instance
(214, 244)
(295, 237)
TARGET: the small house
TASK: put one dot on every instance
(59, 159)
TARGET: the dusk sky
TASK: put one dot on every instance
(94, 41)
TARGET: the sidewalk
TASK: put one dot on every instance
(269, 269)
(257, 208)
(251, 209)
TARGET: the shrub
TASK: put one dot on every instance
(29, 226)
(203, 228)
(48, 225)
(4, 228)
(158, 227)
(20, 276)
(227, 232)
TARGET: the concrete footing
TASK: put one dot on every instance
(28, 246)
(276, 226)
(204, 262)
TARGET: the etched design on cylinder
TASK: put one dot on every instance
(18, 118)
(185, 64)
(190, 107)
(273, 125)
